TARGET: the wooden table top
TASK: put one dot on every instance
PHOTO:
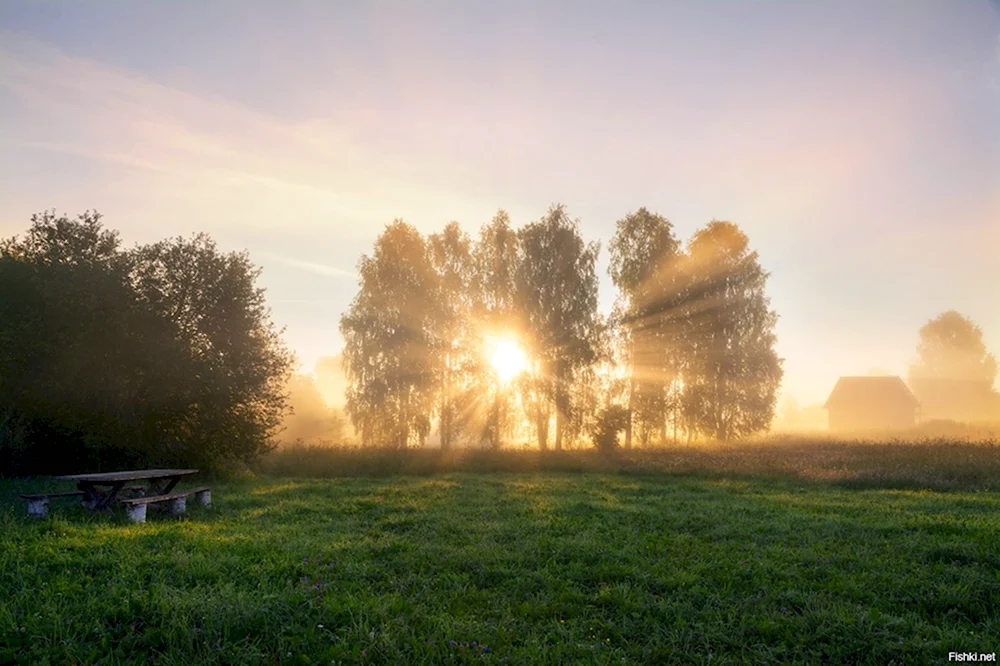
(135, 475)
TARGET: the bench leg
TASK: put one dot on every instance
(204, 497)
(178, 505)
(38, 508)
(136, 513)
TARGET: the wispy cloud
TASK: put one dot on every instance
(211, 153)
(311, 266)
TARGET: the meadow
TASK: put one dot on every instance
(697, 555)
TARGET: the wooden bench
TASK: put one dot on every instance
(135, 508)
(38, 504)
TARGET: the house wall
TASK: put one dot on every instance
(877, 417)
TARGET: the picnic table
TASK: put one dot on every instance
(101, 489)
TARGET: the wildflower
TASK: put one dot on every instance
(485, 649)
(319, 626)
(451, 643)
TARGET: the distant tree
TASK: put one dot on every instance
(310, 419)
(644, 261)
(557, 297)
(730, 368)
(451, 256)
(391, 349)
(951, 347)
(954, 374)
(330, 379)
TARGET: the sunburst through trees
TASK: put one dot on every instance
(497, 340)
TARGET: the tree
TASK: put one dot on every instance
(495, 260)
(730, 369)
(391, 348)
(451, 256)
(310, 419)
(160, 355)
(556, 285)
(644, 259)
(954, 373)
(951, 347)
(236, 366)
(76, 351)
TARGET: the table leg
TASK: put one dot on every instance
(110, 496)
(170, 485)
(92, 496)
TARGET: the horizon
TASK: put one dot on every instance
(867, 178)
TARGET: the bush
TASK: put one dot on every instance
(610, 421)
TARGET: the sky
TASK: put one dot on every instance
(856, 143)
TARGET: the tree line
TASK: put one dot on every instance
(165, 353)
(688, 350)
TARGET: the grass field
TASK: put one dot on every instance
(515, 568)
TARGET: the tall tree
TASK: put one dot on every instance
(237, 365)
(451, 256)
(391, 347)
(730, 369)
(495, 261)
(161, 355)
(557, 295)
(644, 267)
(77, 354)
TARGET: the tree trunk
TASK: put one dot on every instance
(543, 430)
(560, 404)
(495, 429)
(628, 423)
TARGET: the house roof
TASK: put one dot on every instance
(852, 391)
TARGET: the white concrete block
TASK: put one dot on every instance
(136, 513)
(38, 508)
(178, 505)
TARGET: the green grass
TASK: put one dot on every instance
(538, 568)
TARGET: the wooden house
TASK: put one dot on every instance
(871, 403)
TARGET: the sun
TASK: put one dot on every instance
(508, 360)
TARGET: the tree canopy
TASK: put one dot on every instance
(162, 354)
(692, 326)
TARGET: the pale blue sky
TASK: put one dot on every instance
(858, 143)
